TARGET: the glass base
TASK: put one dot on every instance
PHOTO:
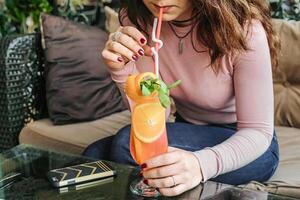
(138, 187)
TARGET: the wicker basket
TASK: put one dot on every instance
(21, 85)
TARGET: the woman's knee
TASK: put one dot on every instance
(99, 149)
(122, 137)
(120, 146)
(192, 137)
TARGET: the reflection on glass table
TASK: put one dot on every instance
(23, 172)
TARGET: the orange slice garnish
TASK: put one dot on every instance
(148, 121)
(133, 89)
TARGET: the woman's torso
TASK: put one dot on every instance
(203, 95)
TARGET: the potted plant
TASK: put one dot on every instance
(285, 9)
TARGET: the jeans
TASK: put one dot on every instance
(192, 137)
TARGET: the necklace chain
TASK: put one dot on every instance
(180, 24)
(178, 36)
(180, 43)
(187, 20)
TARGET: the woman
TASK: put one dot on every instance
(223, 52)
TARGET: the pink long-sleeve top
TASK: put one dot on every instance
(241, 92)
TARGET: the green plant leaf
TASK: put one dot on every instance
(163, 87)
(148, 82)
(18, 11)
(145, 91)
(156, 87)
(150, 85)
(175, 84)
(164, 99)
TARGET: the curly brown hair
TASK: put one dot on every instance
(221, 24)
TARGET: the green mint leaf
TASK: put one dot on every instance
(175, 84)
(145, 91)
(164, 99)
(148, 82)
(164, 87)
(148, 86)
(156, 87)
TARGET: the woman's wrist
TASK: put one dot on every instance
(199, 167)
(116, 69)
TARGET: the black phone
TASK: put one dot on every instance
(81, 173)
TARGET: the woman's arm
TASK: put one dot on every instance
(121, 53)
(120, 77)
(253, 88)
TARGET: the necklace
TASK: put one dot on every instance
(180, 43)
(186, 20)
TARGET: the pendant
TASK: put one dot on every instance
(180, 46)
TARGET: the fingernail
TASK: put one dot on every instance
(135, 57)
(143, 166)
(145, 181)
(120, 59)
(141, 52)
(143, 40)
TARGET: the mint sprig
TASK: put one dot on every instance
(150, 85)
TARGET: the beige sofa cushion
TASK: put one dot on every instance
(72, 138)
(289, 147)
(286, 180)
(287, 76)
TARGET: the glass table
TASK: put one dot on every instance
(31, 165)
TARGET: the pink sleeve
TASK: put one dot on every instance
(253, 88)
(120, 77)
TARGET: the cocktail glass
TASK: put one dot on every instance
(148, 136)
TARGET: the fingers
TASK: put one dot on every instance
(112, 56)
(113, 60)
(167, 182)
(135, 34)
(164, 165)
(164, 159)
(165, 171)
(118, 48)
(173, 191)
(172, 173)
(128, 44)
(131, 44)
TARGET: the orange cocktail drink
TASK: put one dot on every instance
(148, 136)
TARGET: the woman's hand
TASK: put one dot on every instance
(126, 44)
(172, 173)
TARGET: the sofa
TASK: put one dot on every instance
(74, 138)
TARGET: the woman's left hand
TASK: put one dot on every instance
(173, 172)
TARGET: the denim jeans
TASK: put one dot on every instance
(192, 137)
